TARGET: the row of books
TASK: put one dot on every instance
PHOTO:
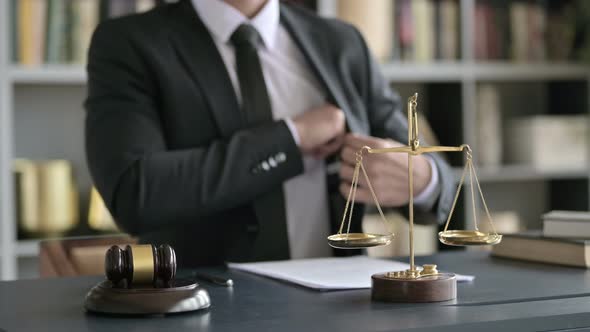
(528, 31)
(59, 31)
(48, 199)
(518, 30)
(409, 30)
(531, 31)
(564, 240)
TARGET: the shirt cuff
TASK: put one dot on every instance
(426, 199)
(293, 130)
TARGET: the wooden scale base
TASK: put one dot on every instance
(182, 296)
(426, 285)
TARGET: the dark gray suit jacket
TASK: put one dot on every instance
(168, 147)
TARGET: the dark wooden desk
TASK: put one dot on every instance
(507, 295)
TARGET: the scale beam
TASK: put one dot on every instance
(421, 149)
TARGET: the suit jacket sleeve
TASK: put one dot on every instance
(144, 183)
(387, 119)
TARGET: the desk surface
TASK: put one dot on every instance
(505, 294)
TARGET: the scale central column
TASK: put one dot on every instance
(411, 211)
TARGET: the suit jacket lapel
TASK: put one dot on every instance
(312, 50)
(197, 51)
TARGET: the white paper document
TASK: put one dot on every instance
(333, 273)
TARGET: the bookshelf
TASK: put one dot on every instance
(56, 92)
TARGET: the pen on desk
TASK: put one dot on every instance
(215, 279)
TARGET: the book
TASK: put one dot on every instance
(57, 32)
(14, 9)
(572, 224)
(423, 17)
(561, 32)
(519, 31)
(405, 29)
(25, 32)
(480, 30)
(84, 20)
(537, 24)
(375, 22)
(533, 246)
(37, 19)
(448, 30)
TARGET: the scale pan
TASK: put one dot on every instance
(358, 240)
(468, 238)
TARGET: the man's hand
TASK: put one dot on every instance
(321, 130)
(388, 172)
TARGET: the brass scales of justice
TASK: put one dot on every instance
(417, 284)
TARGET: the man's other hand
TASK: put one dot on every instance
(321, 130)
(388, 172)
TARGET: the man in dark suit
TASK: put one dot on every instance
(228, 129)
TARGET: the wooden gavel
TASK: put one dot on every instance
(143, 264)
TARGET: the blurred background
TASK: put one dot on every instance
(509, 78)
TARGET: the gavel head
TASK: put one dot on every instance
(142, 264)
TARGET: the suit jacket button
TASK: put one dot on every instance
(265, 166)
(272, 162)
(281, 157)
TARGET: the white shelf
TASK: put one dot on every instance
(502, 71)
(517, 173)
(49, 74)
(423, 72)
(27, 248)
(495, 71)
(394, 71)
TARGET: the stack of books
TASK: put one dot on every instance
(529, 144)
(564, 240)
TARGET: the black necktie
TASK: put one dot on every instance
(271, 242)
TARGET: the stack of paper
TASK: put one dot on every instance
(334, 273)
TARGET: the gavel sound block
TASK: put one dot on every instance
(141, 280)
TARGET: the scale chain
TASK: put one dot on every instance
(483, 201)
(472, 176)
(352, 195)
(352, 185)
(470, 164)
(374, 197)
(457, 193)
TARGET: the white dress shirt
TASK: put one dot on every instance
(292, 89)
